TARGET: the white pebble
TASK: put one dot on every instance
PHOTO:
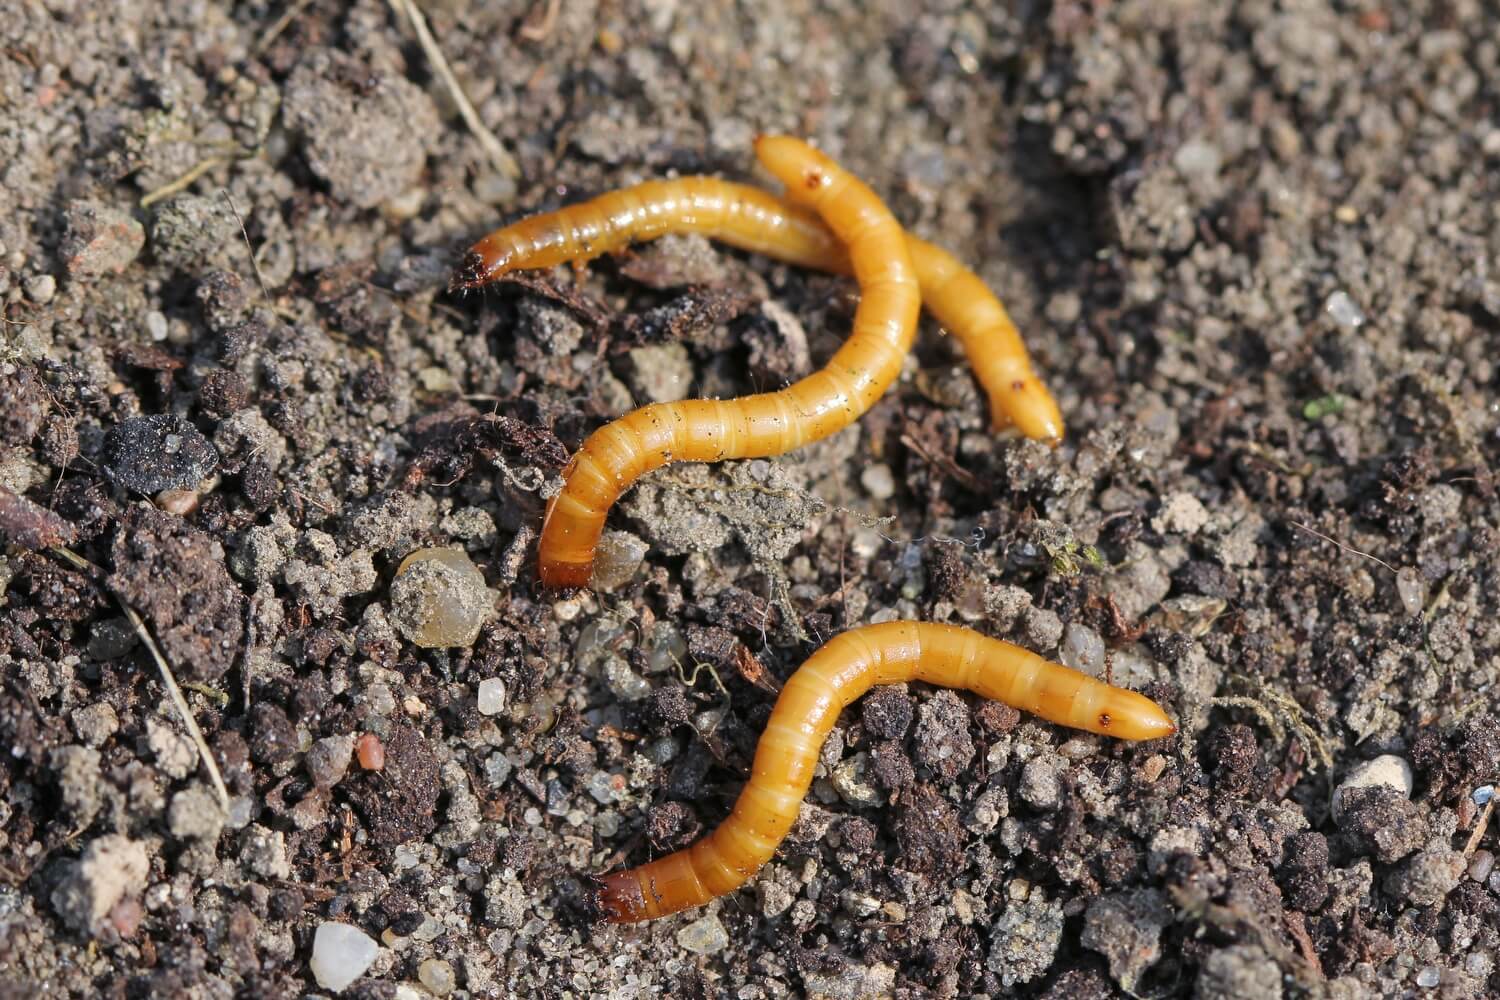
(703, 937)
(878, 481)
(1199, 159)
(156, 325)
(491, 696)
(1083, 649)
(1411, 590)
(341, 954)
(41, 288)
(1387, 769)
(1343, 311)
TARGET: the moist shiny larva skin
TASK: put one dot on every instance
(751, 219)
(710, 430)
(809, 706)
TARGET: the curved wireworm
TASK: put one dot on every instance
(752, 219)
(809, 705)
(711, 430)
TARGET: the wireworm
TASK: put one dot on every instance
(751, 219)
(711, 430)
(809, 705)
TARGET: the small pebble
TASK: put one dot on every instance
(665, 646)
(1481, 863)
(1483, 794)
(1429, 977)
(98, 239)
(371, 752)
(439, 599)
(703, 937)
(437, 976)
(1083, 649)
(878, 481)
(328, 760)
(624, 683)
(41, 288)
(1411, 591)
(851, 779)
(111, 638)
(156, 326)
(341, 954)
(1042, 628)
(491, 696)
(273, 738)
(1343, 311)
(617, 560)
(179, 502)
(1041, 781)
(1387, 769)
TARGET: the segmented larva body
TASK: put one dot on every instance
(711, 430)
(751, 219)
(809, 705)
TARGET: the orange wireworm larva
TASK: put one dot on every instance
(752, 219)
(809, 705)
(711, 430)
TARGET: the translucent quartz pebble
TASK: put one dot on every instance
(341, 954)
(438, 598)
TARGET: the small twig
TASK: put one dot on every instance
(254, 264)
(501, 159)
(1480, 827)
(181, 183)
(542, 29)
(175, 692)
(1346, 548)
(286, 18)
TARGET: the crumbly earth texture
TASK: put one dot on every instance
(1253, 248)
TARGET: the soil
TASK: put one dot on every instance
(1253, 249)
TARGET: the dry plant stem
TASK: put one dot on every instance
(1480, 827)
(183, 182)
(809, 706)
(173, 691)
(500, 159)
(751, 219)
(711, 430)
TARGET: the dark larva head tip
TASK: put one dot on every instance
(617, 898)
(594, 908)
(470, 273)
(557, 574)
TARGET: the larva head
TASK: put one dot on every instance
(1027, 405)
(1128, 716)
(807, 173)
(617, 898)
(484, 262)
